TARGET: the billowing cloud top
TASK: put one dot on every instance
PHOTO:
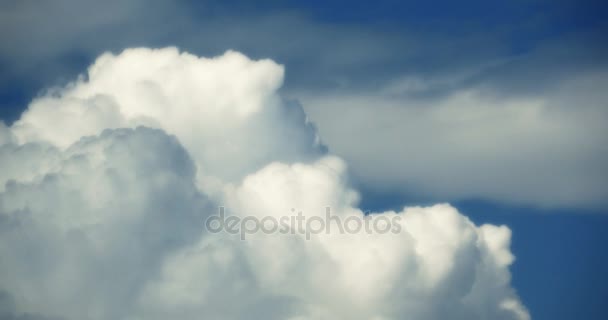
(106, 184)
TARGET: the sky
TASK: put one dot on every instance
(498, 109)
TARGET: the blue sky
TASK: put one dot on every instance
(384, 55)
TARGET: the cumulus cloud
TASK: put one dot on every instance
(81, 237)
(109, 179)
(444, 85)
(224, 110)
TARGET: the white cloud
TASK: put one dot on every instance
(80, 239)
(224, 110)
(559, 163)
(102, 218)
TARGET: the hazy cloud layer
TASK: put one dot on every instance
(112, 176)
(545, 149)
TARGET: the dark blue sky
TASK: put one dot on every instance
(562, 260)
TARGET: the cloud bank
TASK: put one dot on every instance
(106, 184)
(543, 149)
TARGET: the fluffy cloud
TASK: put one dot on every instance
(109, 180)
(440, 87)
(224, 110)
(82, 236)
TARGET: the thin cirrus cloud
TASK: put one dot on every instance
(110, 208)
